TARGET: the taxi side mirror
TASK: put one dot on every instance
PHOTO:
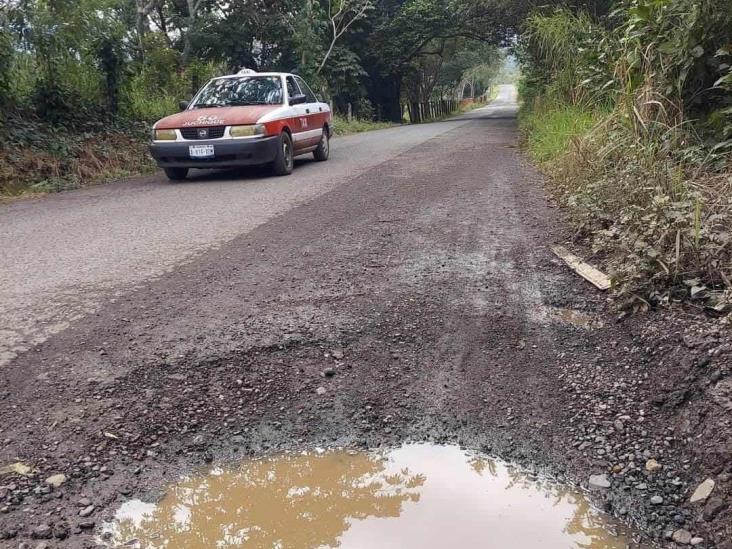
(183, 105)
(298, 99)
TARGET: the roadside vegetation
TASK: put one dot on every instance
(628, 109)
(343, 126)
(81, 82)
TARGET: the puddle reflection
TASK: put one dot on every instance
(419, 496)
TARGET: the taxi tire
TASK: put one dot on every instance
(322, 153)
(284, 162)
(176, 174)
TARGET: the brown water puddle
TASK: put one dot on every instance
(418, 496)
(570, 316)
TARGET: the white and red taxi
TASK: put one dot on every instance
(241, 120)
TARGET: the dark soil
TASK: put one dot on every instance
(428, 288)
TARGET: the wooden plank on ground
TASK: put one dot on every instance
(585, 270)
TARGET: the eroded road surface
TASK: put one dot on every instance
(403, 291)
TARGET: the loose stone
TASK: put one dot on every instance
(599, 482)
(703, 491)
(56, 480)
(42, 531)
(682, 536)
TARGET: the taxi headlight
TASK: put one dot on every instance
(246, 131)
(165, 135)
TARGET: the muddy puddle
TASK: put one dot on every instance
(418, 496)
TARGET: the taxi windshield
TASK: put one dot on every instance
(240, 91)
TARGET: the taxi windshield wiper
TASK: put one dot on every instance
(246, 103)
(207, 105)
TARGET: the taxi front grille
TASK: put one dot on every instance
(210, 132)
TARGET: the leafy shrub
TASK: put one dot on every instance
(365, 110)
(156, 90)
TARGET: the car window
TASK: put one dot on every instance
(240, 90)
(292, 89)
(306, 90)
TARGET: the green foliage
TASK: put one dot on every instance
(78, 61)
(365, 110)
(551, 132)
(342, 78)
(566, 56)
(630, 117)
(6, 67)
(681, 36)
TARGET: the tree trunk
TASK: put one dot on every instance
(143, 9)
(140, 26)
(193, 6)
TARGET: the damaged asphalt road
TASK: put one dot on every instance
(416, 299)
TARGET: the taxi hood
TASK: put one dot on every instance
(217, 116)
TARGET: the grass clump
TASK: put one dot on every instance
(341, 125)
(550, 131)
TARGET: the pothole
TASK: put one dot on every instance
(417, 496)
(576, 318)
(573, 317)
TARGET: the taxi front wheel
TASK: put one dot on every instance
(176, 174)
(284, 160)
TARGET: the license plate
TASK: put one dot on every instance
(201, 151)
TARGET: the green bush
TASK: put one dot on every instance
(157, 90)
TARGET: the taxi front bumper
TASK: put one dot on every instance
(228, 153)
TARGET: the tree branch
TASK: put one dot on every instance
(340, 21)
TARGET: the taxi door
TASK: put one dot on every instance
(316, 113)
(298, 115)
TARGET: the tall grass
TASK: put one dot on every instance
(341, 125)
(649, 192)
(550, 131)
